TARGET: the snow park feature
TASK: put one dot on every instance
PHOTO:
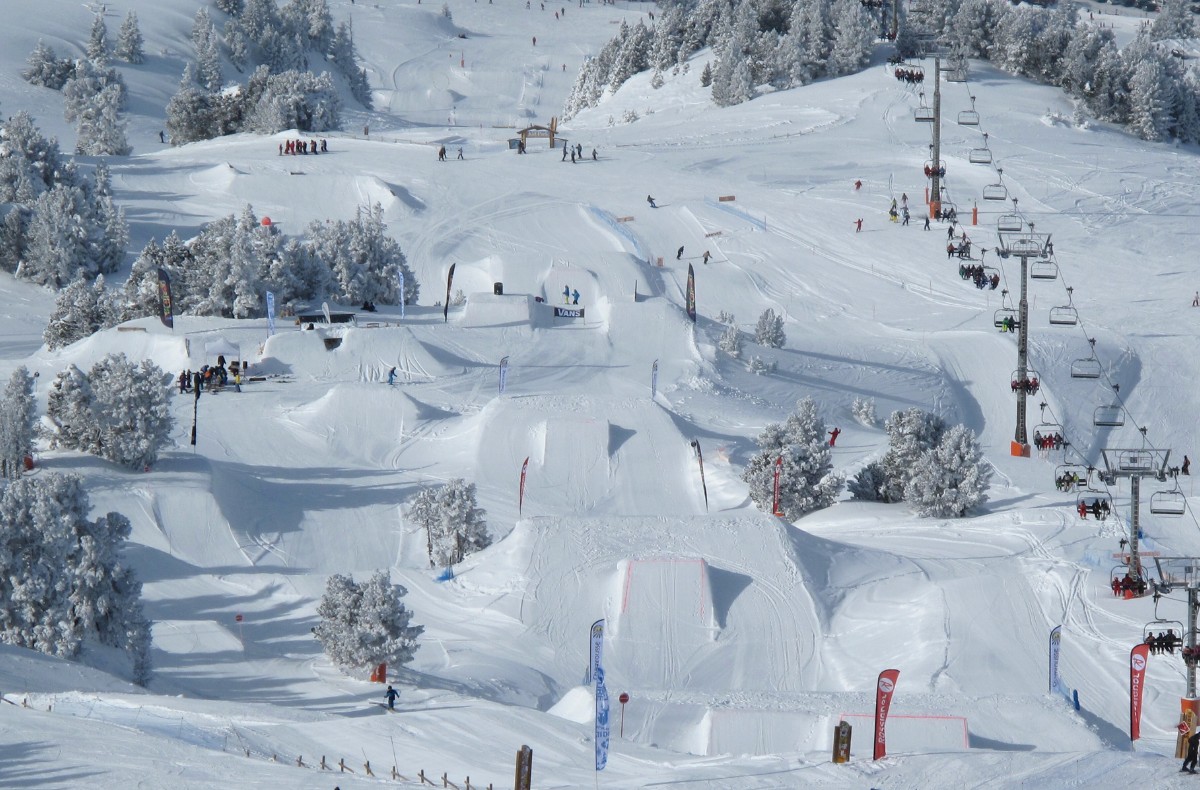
(742, 638)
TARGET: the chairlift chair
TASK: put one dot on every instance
(1049, 429)
(1171, 502)
(1066, 314)
(1091, 499)
(969, 117)
(1109, 416)
(1156, 627)
(1089, 368)
(924, 113)
(999, 319)
(1030, 376)
(1009, 223)
(1078, 470)
(1043, 270)
(995, 192)
(981, 156)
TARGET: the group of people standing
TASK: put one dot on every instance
(576, 154)
(304, 147)
(569, 296)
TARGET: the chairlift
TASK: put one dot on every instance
(1092, 502)
(1009, 223)
(1077, 472)
(1030, 384)
(1135, 461)
(1001, 316)
(1157, 626)
(1088, 368)
(969, 117)
(1066, 314)
(1043, 270)
(1168, 503)
(924, 113)
(996, 191)
(981, 156)
(1049, 429)
(1109, 416)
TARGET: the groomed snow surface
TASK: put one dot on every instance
(741, 640)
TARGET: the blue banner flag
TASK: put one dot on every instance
(270, 313)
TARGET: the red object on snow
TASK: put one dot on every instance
(266, 222)
(29, 463)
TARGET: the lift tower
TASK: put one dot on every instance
(1184, 573)
(1019, 243)
(935, 191)
(1134, 464)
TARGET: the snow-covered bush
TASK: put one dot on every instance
(63, 583)
(46, 69)
(18, 422)
(118, 411)
(629, 116)
(769, 330)
(807, 481)
(760, 367)
(868, 483)
(446, 12)
(952, 479)
(97, 47)
(80, 310)
(366, 624)
(731, 342)
(453, 522)
(863, 410)
(725, 318)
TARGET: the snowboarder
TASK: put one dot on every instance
(460, 156)
(833, 435)
(926, 223)
(391, 695)
(1186, 465)
(904, 198)
(858, 225)
(442, 154)
(573, 157)
(650, 200)
(566, 294)
(575, 296)
(706, 256)
(535, 41)
(905, 213)
(679, 253)
(391, 377)
(594, 155)
(162, 136)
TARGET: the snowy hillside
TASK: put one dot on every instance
(741, 639)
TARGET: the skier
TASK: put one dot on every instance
(858, 225)
(650, 200)
(442, 154)
(1196, 300)
(926, 222)
(594, 155)
(905, 213)
(706, 256)
(460, 156)
(564, 154)
(679, 253)
(162, 136)
(575, 296)
(391, 377)
(566, 294)
(857, 185)
(391, 695)
(573, 157)
(833, 435)
(324, 145)
(1186, 465)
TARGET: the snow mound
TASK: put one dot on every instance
(358, 424)
(361, 353)
(497, 310)
(137, 340)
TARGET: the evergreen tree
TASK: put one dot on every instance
(238, 44)
(345, 58)
(454, 524)
(58, 238)
(951, 479)
(190, 113)
(63, 583)
(806, 478)
(1174, 21)
(231, 7)
(852, 39)
(769, 330)
(100, 130)
(69, 413)
(129, 40)
(32, 164)
(731, 341)
(18, 423)
(1150, 102)
(81, 310)
(97, 48)
(910, 434)
(13, 238)
(363, 625)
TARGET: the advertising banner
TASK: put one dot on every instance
(1138, 658)
(166, 305)
(884, 689)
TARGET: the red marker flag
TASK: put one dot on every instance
(884, 688)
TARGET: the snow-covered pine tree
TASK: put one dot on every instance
(191, 115)
(130, 405)
(32, 164)
(129, 40)
(80, 310)
(973, 29)
(109, 230)
(1150, 99)
(1174, 21)
(706, 75)
(62, 582)
(345, 57)
(863, 410)
(69, 413)
(46, 69)
(952, 479)
(454, 524)
(769, 330)
(807, 481)
(58, 236)
(910, 434)
(231, 7)
(18, 423)
(869, 483)
(852, 39)
(295, 100)
(12, 238)
(365, 625)
(731, 341)
(100, 130)
(238, 44)
(97, 49)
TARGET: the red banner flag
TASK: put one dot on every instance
(775, 496)
(1138, 658)
(884, 689)
(521, 491)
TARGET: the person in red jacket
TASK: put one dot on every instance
(833, 435)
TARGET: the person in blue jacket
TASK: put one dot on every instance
(391, 695)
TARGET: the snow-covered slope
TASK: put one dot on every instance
(741, 640)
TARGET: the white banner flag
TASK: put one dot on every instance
(1055, 644)
(270, 313)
